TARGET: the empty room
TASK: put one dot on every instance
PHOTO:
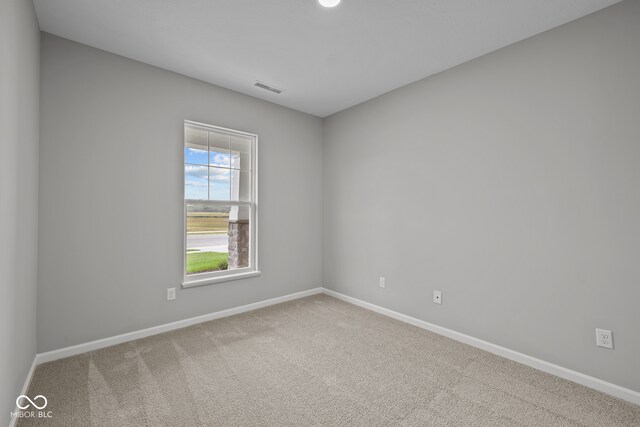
(319, 213)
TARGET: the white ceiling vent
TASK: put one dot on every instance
(267, 87)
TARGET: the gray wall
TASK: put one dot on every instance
(19, 93)
(510, 183)
(111, 198)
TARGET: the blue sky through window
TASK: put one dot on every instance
(203, 182)
(195, 157)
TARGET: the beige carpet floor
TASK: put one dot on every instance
(313, 361)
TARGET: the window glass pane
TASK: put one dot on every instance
(241, 185)
(218, 171)
(219, 184)
(207, 238)
(196, 182)
(219, 150)
(241, 152)
(195, 156)
(195, 146)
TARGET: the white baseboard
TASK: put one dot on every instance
(25, 388)
(143, 333)
(568, 374)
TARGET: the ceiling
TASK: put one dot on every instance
(326, 60)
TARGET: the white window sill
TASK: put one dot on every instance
(218, 279)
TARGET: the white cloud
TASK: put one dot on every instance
(196, 171)
(220, 159)
(220, 172)
(201, 173)
(196, 184)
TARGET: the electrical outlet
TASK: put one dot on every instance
(383, 282)
(604, 338)
(437, 297)
(171, 294)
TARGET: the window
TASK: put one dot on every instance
(220, 204)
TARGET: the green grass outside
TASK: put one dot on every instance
(200, 262)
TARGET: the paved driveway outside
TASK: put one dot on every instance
(208, 242)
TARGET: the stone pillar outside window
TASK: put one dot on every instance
(239, 229)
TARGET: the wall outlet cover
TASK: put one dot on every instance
(383, 282)
(437, 297)
(604, 338)
(171, 294)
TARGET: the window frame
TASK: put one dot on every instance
(206, 278)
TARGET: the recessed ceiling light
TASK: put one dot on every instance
(329, 3)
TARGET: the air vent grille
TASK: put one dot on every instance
(267, 87)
